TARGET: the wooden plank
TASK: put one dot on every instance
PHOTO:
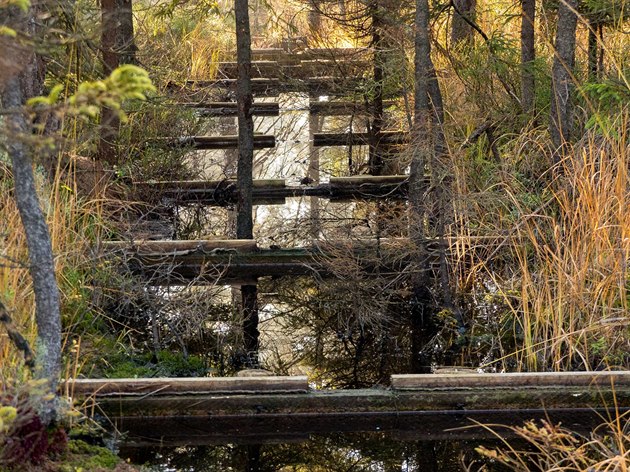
(213, 142)
(404, 426)
(517, 380)
(275, 191)
(362, 401)
(230, 108)
(259, 69)
(234, 266)
(335, 53)
(189, 386)
(271, 87)
(269, 54)
(181, 246)
(360, 139)
(358, 180)
(336, 108)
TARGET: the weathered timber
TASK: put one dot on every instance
(599, 379)
(178, 411)
(279, 55)
(270, 192)
(263, 428)
(272, 87)
(360, 139)
(296, 69)
(213, 142)
(335, 53)
(259, 69)
(480, 396)
(181, 246)
(168, 264)
(190, 385)
(328, 108)
(230, 108)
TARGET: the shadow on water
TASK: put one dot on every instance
(430, 441)
(332, 452)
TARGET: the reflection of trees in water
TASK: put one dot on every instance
(336, 452)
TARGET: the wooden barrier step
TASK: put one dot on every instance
(297, 69)
(212, 142)
(176, 263)
(272, 87)
(187, 386)
(230, 108)
(343, 108)
(275, 191)
(386, 138)
(516, 380)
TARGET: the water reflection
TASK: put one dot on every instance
(372, 452)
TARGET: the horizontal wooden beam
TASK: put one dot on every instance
(275, 192)
(297, 69)
(184, 409)
(605, 379)
(231, 109)
(213, 142)
(182, 246)
(360, 139)
(163, 263)
(271, 87)
(332, 108)
(402, 426)
(335, 53)
(189, 385)
(267, 54)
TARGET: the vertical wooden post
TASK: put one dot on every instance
(244, 176)
(315, 123)
(376, 163)
(314, 126)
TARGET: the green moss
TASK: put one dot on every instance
(82, 456)
(169, 364)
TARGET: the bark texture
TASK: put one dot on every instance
(118, 48)
(561, 117)
(244, 176)
(18, 89)
(460, 28)
(422, 323)
(528, 55)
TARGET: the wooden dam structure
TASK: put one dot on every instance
(254, 409)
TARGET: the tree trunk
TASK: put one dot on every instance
(110, 122)
(118, 47)
(528, 55)
(460, 29)
(125, 38)
(422, 323)
(315, 19)
(244, 176)
(594, 33)
(561, 117)
(376, 163)
(17, 90)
